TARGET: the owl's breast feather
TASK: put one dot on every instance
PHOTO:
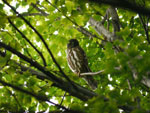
(73, 60)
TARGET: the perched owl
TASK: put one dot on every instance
(78, 62)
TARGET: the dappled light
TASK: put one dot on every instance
(105, 68)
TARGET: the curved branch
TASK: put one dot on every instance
(91, 73)
(145, 28)
(77, 91)
(38, 97)
(125, 4)
(79, 28)
(28, 14)
(33, 63)
(38, 9)
(44, 61)
(100, 29)
(40, 36)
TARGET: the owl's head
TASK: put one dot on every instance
(73, 43)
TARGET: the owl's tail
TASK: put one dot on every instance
(92, 83)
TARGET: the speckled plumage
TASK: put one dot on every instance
(77, 61)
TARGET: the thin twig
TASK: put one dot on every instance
(145, 28)
(147, 22)
(101, 30)
(77, 91)
(105, 18)
(40, 10)
(38, 97)
(115, 19)
(63, 98)
(33, 63)
(44, 61)
(40, 36)
(87, 33)
(14, 97)
(28, 14)
(79, 28)
(125, 4)
(108, 22)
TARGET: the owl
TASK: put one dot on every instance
(78, 63)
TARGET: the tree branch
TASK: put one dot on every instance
(40, 74)
(91, 73)
(17, 101)
(79, 28)
(100, 29)
(115, 19)
(33, 63)
(105, 17)
(125, 4)
(145, 28)
(38, 9)
(87, 33)
(44, 61)
(40, 36)
(27, 14)
(38, 97)
(77, 91)
(111, 37)
(63, 98)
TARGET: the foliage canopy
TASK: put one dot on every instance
(34, 75)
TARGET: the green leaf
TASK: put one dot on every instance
(70, 5)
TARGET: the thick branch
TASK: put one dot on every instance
(87, 33)
(146, 81)
(33, 63)
(77, 91)
(38, 97)
(42, 76)
(39, 74)
(100, 29)
(40, 36)
(110, 37)
(80, 90)
(125, 4)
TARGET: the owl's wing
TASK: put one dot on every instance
(89, 79)
(82, 59)
(77, 60)
(71, 60)
(78, 63)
